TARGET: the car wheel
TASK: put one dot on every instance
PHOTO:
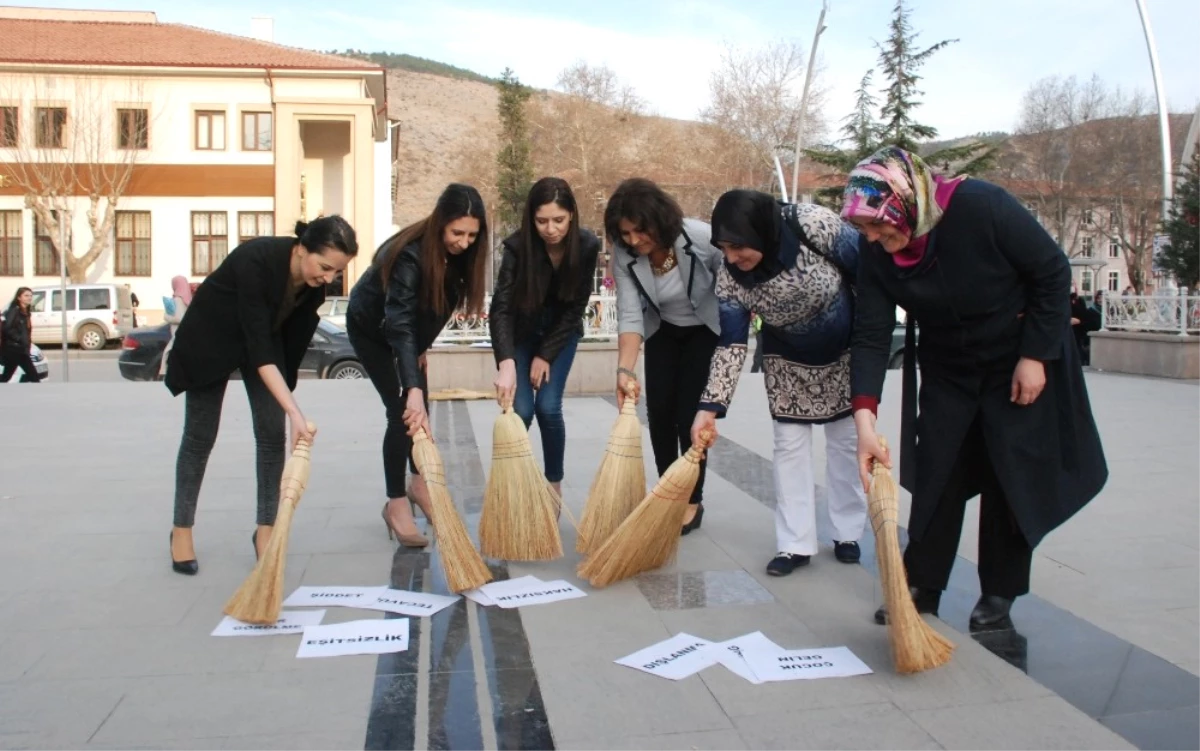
(349, 370)
(91, 337)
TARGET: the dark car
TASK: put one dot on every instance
(329, 354)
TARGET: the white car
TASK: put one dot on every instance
(334, 310)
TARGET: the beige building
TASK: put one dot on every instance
(201, 139)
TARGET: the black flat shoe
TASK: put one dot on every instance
(695, 522)
(846, 552)
(188, 568)
(991, 614)
(926, 601)
(785, 563)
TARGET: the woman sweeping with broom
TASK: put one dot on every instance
(1004, 410)
(793, 265)
(665, 271)
(536, 316)
(418, 279)
(256, 313)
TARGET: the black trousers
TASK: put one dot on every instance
(202, 419)
(1005, 556)
(677, 360)
(12, 358)
(379, 361)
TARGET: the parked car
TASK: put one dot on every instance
(96, 314)
(334, 310)
(39, 364)
(329, 354)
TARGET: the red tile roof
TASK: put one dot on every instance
(152, 44)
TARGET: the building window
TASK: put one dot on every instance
(51, 127)
(256, 131)
(1087, 217)
(45, 257)
(253, 224)
(1114, 249)
(133, 129)
(10, 131)
(1088, 247)
(133, 243)
(10, 244)
(1114, 281)
(1085, 282)
(1112, 219)
(210, 130)
(210, 241)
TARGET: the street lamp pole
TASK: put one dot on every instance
(1163, 123)
(808, 76)
(62, 282)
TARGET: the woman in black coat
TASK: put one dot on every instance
(1003, 410)
(536, 316)
(255, 313)
(17, 336)
(418, 279)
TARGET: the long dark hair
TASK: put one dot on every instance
(649, 208)
(16, 301)
(547, 190)
(455, 202)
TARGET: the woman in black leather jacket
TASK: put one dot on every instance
(536, 316)
(419, 278)
(18, 335)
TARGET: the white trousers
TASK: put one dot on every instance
(795, 486)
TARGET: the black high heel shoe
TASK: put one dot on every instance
(695, 522)
(188, 568)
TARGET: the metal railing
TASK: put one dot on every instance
(1171, 313)
(599, 323)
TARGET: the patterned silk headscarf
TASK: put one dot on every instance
(897, 187)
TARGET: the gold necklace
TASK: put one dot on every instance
(667, 264)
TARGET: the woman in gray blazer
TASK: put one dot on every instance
(665, 269)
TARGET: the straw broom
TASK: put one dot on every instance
(620, 483)
(260, 597)
(649, 537)
(915, 645)
(519, 521)
(464, 568)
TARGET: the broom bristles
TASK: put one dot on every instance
(915, 645)
(461, 562)
(519, 521)
(649, 537)
(260, 598)
(620, 482)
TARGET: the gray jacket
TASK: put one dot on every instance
(699, 261)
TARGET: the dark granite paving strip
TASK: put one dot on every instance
(1150, 702)
(454, 720)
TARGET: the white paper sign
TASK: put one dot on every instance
(355, 638)
(801, 664)
(479, 597)
(406, 603)
(507, 586)
(676, 658)
(289, 623)
(539, 594)
(346, 597)
(731, 653)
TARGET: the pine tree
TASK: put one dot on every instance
(1181, 257)
(899, 62)
(860, 128)
(513, 159)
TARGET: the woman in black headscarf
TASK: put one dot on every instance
(793, 265)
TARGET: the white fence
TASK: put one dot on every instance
(1160, 314)
(599, 322)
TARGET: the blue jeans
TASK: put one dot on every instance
(547, 403)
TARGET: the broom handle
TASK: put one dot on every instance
(876, 466)
(295, 471)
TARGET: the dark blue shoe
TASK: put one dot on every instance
(846, 552)
(785, 563)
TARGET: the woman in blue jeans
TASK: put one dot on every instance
(536, 316)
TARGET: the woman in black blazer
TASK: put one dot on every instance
(419, 278)
(255, 313)
(536, 316)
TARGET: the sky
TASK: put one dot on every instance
(667, 50)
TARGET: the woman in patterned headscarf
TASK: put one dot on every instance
(1004, 411)
(794, 266)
